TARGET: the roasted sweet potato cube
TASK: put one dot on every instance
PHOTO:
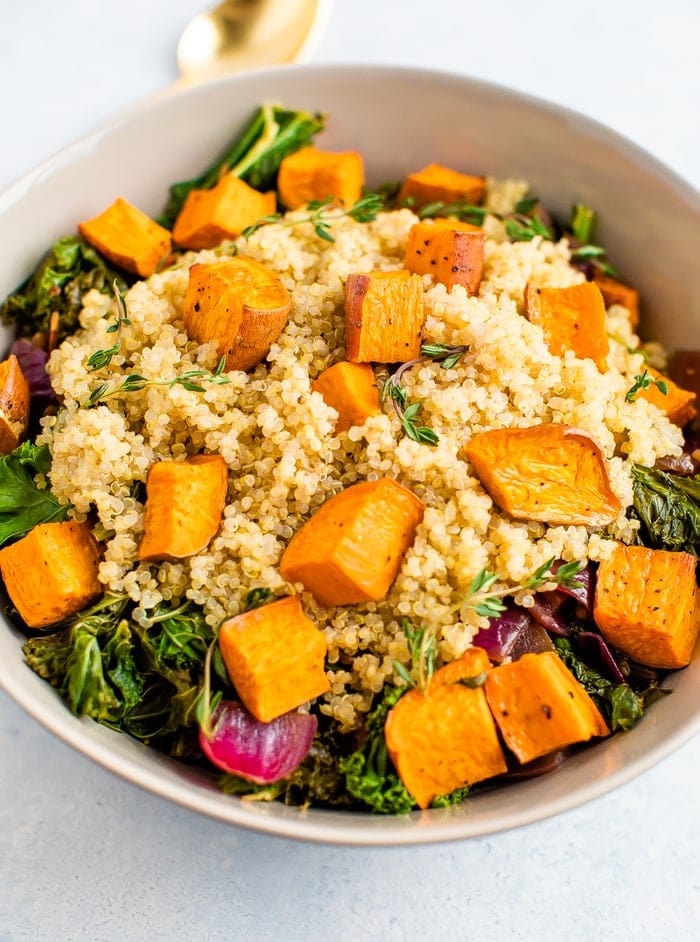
(677, 403)
(451, 251)
(552, 473)
(444, 738)
(571, 319)
(615, 292)
(351, 389)
(128, 238)
(184, 505)
(384, 317)
(313, 174)
(438, 184)
(51, 573)
(238, 303)
(223, 212)
(539, 706)
(351, 549)
(274, 656)
(646, 604)
(14, 405)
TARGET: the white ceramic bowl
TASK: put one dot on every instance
(400, 119)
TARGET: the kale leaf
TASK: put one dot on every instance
(621, 707)
(272, 134)
(22, 504)
(370, 776)
(70, 269)
(668, 507)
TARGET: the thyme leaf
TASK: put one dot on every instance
(645, 380)
(422, 648)
(102, 358)
(485, 600)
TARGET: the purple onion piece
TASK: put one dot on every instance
(597, 649)
(512, 634)
(546, 609)
(259, 752)
(584, 594)
(32, 361)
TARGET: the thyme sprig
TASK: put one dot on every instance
(485, 600)
(422, 648)
(448, 355)
(191, 380)
(645, 380)
(102, 358)
(322, 213)
(521, 225)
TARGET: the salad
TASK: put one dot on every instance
(366, 500)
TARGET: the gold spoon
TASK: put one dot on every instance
(245, 34)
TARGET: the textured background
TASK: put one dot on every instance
(84, 855)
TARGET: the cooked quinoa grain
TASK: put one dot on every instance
(277, 436)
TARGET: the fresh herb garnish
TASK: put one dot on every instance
(522, 228)
(102, 358)
(448, 356)
(520, 225)
(321, 213)
(255, 156)
(460, 209)
(422, 648)
(581, 226)
(645, 380)
(22, 504)
(483, 599)
(191, 380)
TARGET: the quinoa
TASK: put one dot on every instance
(285, 459)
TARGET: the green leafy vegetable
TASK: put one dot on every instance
(668, 507)
(582, 222)
(618, 703)
(255, 156)
(69, 271)
(524, 229)
(645, 380)
(370, 776)
(22, 504)
(581, 226)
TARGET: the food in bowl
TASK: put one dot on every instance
(361, 534)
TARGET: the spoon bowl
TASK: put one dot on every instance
(239, 35)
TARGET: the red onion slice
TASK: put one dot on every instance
(512, 634)
(259, 752)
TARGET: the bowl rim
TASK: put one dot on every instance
(367, 829)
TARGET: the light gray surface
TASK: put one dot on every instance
(84, 855)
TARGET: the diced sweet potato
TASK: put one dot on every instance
(313, 174)
(14, 405)
(438, 184)
(615, 292)
(444, 738)
(451, 251)
(51, 573)
(223, 212)
(184, 505)
(351, 549)
(552, 473)
(571, 319)
(384, 317)
(128, 238)
(274, 656)
(646, 604)
(240, 304)
(677, 403)
(539, 706)
(351, 389)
